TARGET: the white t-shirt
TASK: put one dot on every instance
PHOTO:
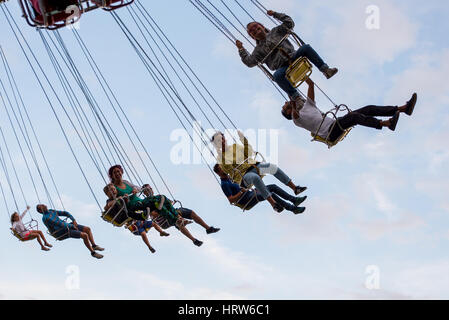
(20, 228)
(310, 118)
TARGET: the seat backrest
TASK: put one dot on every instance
(299, 71)
(117, 215)
(15, 234)
(331, 144)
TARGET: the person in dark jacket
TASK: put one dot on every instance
(277, 61)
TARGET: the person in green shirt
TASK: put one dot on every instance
(159, 206)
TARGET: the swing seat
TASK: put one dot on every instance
(299, 71)
(31, 225)
(117, 215)
(51, 18)
(18, 236)
(246, 206)
(236, 174)
(331, 144)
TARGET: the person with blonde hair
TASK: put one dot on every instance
(238, 162)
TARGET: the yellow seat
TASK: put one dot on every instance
(331, 144)
(18, 236)
(117, 215)
(299, 71)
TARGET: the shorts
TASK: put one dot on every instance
(185, 213)
(143, 227)
(63, 233)
(26, 235)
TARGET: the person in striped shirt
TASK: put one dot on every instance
(62, 230)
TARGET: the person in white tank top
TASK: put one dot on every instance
(307, 115)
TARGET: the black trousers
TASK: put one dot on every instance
(278, 194)
(363, 117)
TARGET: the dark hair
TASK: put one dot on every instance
(215, 134)
(286, 115)
(247, 28)
(12, 216)
(37, 208)
(111, 169)
(217, 168)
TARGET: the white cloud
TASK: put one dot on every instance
(425, 281)
(237, 265)
(168, 289)
(355, 47)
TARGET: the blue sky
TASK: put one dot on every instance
(378, 198)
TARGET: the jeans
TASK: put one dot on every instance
(364, 117)
(253, 178)
(280, 74)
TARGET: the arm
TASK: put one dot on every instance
(248, 59)
(65, 214)
(23, 214)
(234, 199)
(109, 205)
(248, 149)
(311, 91)
(287, 21)
(161, 204)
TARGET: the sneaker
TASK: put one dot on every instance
(299, 200)
(96, 255)
(48, 245)
(164, 234)
(152, 250)
(411, 105)
(299, 190)
(394, 122)
(330, 72)
(278, 208)
(97, 248)
(212, 230)
(197, 242)
(299, 210)
(45, 249)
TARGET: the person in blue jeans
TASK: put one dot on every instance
(278, 60)
(248, 199)
(62, 230)
(238, 162)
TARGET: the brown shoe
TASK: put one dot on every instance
(330, 72)
(394, 121)
(411, 105)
